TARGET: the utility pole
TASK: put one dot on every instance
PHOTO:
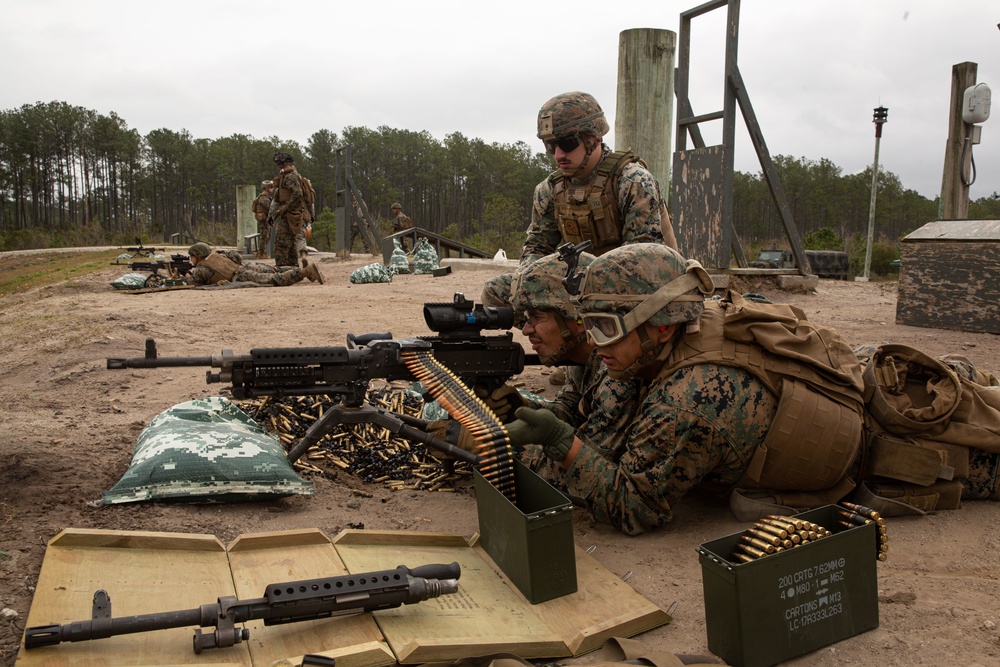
(881, 117)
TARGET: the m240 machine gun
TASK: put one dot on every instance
(343, 373)
(288, 602)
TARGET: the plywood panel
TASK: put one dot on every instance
(143, 573)
(258, 560)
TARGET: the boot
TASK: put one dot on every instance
(302, 256)
(311, 271)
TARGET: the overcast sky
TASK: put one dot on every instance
(814, 69)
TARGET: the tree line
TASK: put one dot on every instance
(73, 176)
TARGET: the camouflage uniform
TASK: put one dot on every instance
(291, 216)
(641, 209)
(401, 223)
(261, 209)
(262, 274)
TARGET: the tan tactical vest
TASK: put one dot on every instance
(590, 212)
(222, 267)
(817, 430)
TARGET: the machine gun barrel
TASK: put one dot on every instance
(288, 602)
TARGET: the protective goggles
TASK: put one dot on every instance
(605, 328)
(567, 144)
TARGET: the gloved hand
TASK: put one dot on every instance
(541, 427)
(503, 401)
(451, 431)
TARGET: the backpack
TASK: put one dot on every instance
(308, 196)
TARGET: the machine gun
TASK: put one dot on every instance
(343, 373)
(178, 262)
(139, 250)
(288, 602)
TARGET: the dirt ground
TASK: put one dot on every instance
(68, 425)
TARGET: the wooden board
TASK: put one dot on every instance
(489, 614)
(143, 573)
(158, 572)
(258, 560)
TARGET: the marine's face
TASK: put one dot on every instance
(569, 162)
(542, 330)
(622, 354)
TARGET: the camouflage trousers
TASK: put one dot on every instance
(264, 236)
(264, 274)
(288, 246)
(496, 290)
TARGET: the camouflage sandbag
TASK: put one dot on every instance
(399, 262)
(130, 281)
(425, 258)
(372, 273)
(206, 450)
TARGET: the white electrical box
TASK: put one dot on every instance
(976, 104)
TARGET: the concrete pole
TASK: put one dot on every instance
(644, 118)
(246, 224)
(954, 193)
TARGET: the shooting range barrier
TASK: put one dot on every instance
(147, 572)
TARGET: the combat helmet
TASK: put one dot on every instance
(538, 285)
(282, 157)
(200, 250)
(634, 284)
(395, 206)
(266, 184)
(571, 113)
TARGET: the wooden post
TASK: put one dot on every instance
(954, 194)
(644, 118)
(246, 224)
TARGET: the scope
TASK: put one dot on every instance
(463, 316)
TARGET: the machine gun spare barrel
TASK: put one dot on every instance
(288, 602)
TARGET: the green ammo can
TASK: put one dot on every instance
(531, 540)
(787, 604)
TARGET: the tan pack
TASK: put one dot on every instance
(222, 267)
(817, 431)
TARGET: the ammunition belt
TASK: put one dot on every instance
(496, 456)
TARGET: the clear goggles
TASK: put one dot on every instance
(605, 328)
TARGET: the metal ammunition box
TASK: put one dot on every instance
(786, 604)
(531, 540)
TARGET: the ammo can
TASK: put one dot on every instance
(786, 604)
(530, 540)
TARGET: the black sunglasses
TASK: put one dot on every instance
(567, 144)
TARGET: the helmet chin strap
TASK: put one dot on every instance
(591, 147)
(651, 351)
(570, 341)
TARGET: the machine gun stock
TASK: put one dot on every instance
(288, 602)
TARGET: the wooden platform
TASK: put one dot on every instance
(156, 572)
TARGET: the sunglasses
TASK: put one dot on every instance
(605, 328)
(567, 144)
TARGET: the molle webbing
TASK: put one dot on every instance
(591, 211)
(222, 267)
(496, 456)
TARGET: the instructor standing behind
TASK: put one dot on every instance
(289, 212)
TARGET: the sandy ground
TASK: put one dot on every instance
(67, 427)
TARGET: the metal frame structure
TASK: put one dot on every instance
(702, 181)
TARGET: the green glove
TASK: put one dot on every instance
(503, 401)
(541, 427)
(451, 431)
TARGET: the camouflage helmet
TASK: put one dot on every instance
(199, 250)
(395, 206)
(571, 113)
(538, 285)
(648, 282)
(282, 157)
(266, 184)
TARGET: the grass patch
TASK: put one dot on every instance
(23, 272)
